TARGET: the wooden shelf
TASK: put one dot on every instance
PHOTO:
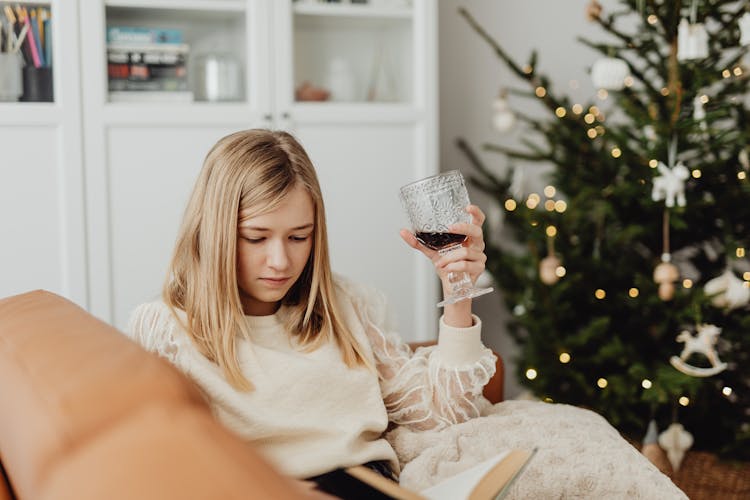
(30, 113)
(355, 112)
(189, 114)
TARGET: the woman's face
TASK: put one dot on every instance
(272, 250)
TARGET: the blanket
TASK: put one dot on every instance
(580, 455)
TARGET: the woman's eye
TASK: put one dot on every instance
(253, 240)
(299, 238)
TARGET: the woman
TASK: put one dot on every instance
(299, 362)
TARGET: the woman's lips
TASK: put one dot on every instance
(275, 282)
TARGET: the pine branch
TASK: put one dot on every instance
(514, 153)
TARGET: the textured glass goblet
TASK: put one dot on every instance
(432, 204)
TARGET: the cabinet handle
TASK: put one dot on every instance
(286, 115)
(267, 117)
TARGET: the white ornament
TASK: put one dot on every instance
(518, 188)
(503, 117)
(675, 441)
(699, 114)
(704, 344)
(744, 159)
(728, 291)
(692, 41)
(340, 80)
(744, 23)
(670, 185)
(609, 73)
(650, 134)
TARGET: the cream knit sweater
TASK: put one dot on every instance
(309, 412)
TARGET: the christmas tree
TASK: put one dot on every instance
(627, 276)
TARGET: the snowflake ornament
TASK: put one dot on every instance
(692, 41)
(670, 184)
(699, 114)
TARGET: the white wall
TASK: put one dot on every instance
(470, 77)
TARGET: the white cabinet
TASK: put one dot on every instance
(140, 159)
(42, 230)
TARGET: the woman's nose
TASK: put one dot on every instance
(277, 256)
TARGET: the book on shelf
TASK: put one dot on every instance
(147, 67)
(141, 35)
(487, 480)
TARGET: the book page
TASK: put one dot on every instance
(484, 481)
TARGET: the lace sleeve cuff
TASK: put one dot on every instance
(460, 346)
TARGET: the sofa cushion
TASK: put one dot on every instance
(166, 451)
(65, 377)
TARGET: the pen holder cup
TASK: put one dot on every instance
(11, 84)
(37, 84)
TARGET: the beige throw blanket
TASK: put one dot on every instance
(580, 454)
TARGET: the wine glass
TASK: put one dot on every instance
(433, 204)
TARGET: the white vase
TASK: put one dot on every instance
(340, 80)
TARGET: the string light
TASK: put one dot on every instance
(594, 110)
(646, 383)
(737, 71)
(528, 69)
(534, 223)
(697, 173)
(533, 200)
(653, 163)
(564, 357)
(741, 176)
(560, 206)
(591, 133)
(577, 109)
(589, 118)
(727, 391)
(687, 283)
(652, 19)
(664, 91)
(602, 383)
(510, 204)
(551, 231)
(684, 401)
(726, 73)
(599, 129)
(616, 152)
(549, 205)
(602, 94)
(746, 276)
(560, 271)
(704, 99)
(549, 191)
(600, 294)
(540, 91)
(531, 374)
(548, 399)
(629, 81)
(740, 252)
(560, 112)
(633, 292)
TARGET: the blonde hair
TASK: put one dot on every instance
(250, 172)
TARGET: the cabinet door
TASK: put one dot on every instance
(41, 177)
(375, 132)
(142, 157)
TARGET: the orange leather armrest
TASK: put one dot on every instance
(493, 391)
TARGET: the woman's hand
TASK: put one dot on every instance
(470, 258)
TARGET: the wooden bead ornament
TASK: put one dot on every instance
(665, 276)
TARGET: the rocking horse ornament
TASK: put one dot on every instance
(703, 343)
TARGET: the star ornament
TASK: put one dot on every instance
(728, 291)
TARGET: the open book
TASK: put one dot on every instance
(488, 480)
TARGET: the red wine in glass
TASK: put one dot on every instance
(438, 241)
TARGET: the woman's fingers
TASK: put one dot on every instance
(413, 242)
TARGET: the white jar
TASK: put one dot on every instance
(11, 82)
(218, 78)
(340, 80)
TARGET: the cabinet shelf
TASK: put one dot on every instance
(29, 113)
(352, 10)
(208, 5)
(187, 114)
(334, 112)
